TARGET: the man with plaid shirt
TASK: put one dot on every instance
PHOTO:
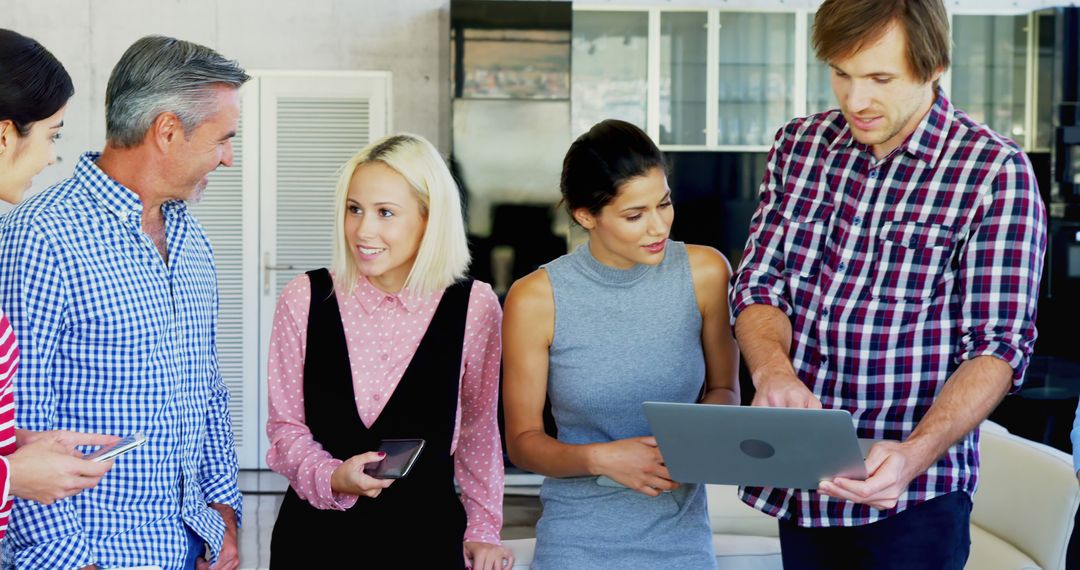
(110, 286)
(892, 270)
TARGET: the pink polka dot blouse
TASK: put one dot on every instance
(382, 332)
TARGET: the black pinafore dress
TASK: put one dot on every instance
(419, 520)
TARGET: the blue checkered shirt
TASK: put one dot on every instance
(114, 340)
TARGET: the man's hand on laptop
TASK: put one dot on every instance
(783, 390)
(634, 463)
(891, 465)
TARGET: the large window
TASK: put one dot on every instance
(683, 48)
(723, 79)
(989, 71)
(819, 95)
(609, 63)
(756, 76)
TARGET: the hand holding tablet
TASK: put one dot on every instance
(756, 446)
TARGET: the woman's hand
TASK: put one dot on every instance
(487, 556)
(349, 477)
(48, 467)
(69, 438)
(634, 463)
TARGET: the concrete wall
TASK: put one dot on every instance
(410, 38)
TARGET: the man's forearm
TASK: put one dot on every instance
(724, 396)
(764, 335)
(227, 514)
(967, 398)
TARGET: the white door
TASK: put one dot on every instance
(270, 217)
(230, 217)
(309, 127)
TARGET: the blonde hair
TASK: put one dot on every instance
(443, 256)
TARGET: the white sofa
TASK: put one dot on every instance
(1024, 508)
(1022, 519)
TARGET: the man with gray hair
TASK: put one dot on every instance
(110, 285)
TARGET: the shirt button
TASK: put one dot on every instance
(841, 267)
(824, 359)
(857, 221)
(825, 312)
(385, 356)
(376, 397)
(873, 173)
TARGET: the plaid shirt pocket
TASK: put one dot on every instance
(911, 259)
(805, 234)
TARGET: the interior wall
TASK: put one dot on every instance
(410, 39)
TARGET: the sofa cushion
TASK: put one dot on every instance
(523, 551)
(729, 515)
(989, 552)
(742, 552)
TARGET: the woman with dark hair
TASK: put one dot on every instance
(628, 317)
(34, 90)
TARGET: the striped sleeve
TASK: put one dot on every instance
(9, 363)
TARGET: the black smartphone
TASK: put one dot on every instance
(401, 454)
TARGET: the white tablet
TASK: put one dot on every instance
(759, 447)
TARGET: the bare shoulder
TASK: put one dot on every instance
(708, 266)
(529, 312)
(531, 294)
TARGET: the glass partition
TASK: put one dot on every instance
(989, 71)
(683, 50)
(609, 71)
(819, 94)
(757, 76)
(1045, 82)
(753, 72)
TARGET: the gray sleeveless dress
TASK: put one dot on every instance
(622, 337)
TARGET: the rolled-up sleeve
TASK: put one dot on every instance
(219, 467)
(1000, 269)
(760, 277)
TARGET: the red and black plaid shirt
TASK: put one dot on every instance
(893, 272)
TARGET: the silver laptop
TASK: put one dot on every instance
(761, 447)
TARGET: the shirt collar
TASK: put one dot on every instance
(925, 143)
(371, 298)
(928, 140)
(114, 196)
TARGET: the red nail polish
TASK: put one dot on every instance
(382, 454)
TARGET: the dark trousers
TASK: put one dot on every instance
(932, 535)
(196, 548)
(1072, 556)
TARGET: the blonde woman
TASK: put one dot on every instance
(393, 342)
